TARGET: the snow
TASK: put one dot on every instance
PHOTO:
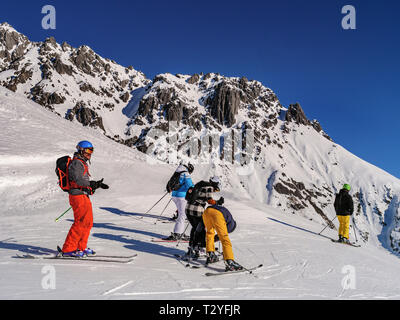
(298, 263)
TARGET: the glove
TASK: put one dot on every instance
(104, 186)
(96, 184)
(221, 201)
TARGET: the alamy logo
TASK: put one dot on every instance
(349, 280)
(234, 146)
(349, 20)
(49, 279)
(49, 20)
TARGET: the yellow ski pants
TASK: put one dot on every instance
(214, 221)
(344, 225)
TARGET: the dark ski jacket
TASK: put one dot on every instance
(78, 172)
(230, 222)
(343, 203)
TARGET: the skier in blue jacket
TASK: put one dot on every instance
(178, 197)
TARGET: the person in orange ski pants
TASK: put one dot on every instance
(80, 187)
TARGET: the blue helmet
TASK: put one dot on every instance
(82, 145)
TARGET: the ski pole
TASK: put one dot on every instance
(163, 211)
(327, 225)
(354, 229)
(182, 234)
(156, 203)
(63, 214)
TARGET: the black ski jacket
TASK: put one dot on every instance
(343, 203)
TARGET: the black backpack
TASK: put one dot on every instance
(62, 172)
(193, 192)
(173, 183)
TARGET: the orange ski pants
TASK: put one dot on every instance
(214, 221)
(79, 232)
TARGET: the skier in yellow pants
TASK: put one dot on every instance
(218, 219)
(344, 208)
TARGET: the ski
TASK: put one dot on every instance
(57, 257)
(191, 262)
(223, 272)
(115, 257)
(59, 250)
(161, 240)
(349, 244)
(182, 260)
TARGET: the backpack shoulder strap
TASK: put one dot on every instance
(86, 168)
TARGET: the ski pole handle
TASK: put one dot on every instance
(63, 214)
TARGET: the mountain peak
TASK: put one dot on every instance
(6, 25)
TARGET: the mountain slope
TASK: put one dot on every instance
(298, 264)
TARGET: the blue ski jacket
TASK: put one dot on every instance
(186, 182)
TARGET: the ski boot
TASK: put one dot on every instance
(183, 237)
(345, 240)
(73, 254)
(211, 257)
(173, 237)
(195, 252)
(231, 265)
(188, 255)
(89, 252)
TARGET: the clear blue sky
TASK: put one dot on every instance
(347, 79)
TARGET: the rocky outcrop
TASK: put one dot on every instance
(85, 116)
(296, 114)
(13, 45)
(224, 104)
(194, 79)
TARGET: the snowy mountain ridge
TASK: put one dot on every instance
(229, 126)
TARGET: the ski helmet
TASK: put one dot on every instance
(216, 183)
(85, 147)
(346, 187)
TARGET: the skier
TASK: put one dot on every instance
(218, 218)
(81, 187)
(194, 210)
(178, 196)
(344, 208)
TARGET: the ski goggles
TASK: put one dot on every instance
(88, 150)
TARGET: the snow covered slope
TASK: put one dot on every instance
(298, 263)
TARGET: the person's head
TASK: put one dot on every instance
(215, 183)
(346, 187)
(85, 149)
